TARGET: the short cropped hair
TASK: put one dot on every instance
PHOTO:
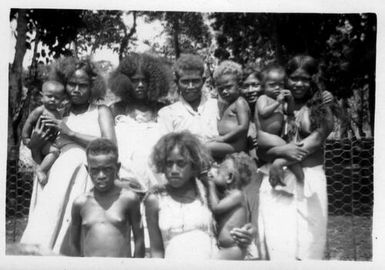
(188, 62)
(274, 66)
(63, 69)
(228, 67)
(53, 83)
(102, 146)
(245, 168)
(189, 146)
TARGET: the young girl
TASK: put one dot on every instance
(227, 201)
(180, 224)
(234, 112)
(274, 105)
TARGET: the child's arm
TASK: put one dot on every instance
(265, 108)
(76, 225)
(29, 125)
(243, 117)
(152, 216)
(231, 201)
(137, 227)
(288, 106)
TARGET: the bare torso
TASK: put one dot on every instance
(228, 122)
(106, 226)
(236, 218)
(274, 123)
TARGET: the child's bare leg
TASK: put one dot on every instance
(50, 154)
(231, 253)
(296, 169)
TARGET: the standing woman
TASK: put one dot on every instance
(141, 81)
(293, 225)
(51, 206)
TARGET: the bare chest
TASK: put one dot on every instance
(114, 214)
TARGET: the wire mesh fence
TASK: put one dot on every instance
(349, 171)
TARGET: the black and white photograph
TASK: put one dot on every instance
(191, 134)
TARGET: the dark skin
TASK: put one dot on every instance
(79, 91)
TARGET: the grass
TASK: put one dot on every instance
(349, 237)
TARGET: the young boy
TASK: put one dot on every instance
(234, 112)
(274, 104)
(103, 217)
(227, 200)
(54, 97)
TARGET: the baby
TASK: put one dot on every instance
(234, 112)
(227, 201)
(54, 102)
(103, 217)
(274, 104)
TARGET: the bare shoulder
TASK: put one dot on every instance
(35, 114)
(237, 196)
(241, 103)
(82, 199)
(103, 108)
(129, 197)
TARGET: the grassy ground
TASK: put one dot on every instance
(349, 237)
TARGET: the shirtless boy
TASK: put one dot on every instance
(273, 105)
(234, 112)
(53, 98)
(103, 217)
(227, 201)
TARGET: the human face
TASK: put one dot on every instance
(140, 85)
(179, 172)
(274, 83)
(251, 89)
(78, 88)
(53, 95)
(103, 169)
(190, 85)
(224, 174)
(299, 83)
(227, 86)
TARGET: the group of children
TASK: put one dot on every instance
(103, 218)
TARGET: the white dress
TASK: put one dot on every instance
(293, 219)
(50, 209)
(186, 228)
(136, 138)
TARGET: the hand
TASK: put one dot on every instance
(327, 97)
(40, 135)
(294, 151)
(280, 97)
(286, 93)
(276, 175)
(58, 124)
(245, 235)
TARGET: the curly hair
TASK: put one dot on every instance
(228, 67)
(314, 101)
(245, 168)
(63, 69)
(156, 73)
(188, 61)
(189, 146)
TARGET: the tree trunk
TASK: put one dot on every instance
(15, 77)
(127, 37)
(175, 33)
